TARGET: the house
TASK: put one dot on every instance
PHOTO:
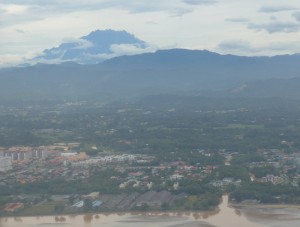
(97, 203)
(154, 199)
(93, 195)
(176, 177)
(11, 207)
(78, 204)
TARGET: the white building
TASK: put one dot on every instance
(5, 164)
(40, 153)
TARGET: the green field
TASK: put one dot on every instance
(43, 209)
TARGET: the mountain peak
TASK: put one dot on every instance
(96, 47)
(112, 37)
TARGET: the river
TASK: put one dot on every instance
(224, 217)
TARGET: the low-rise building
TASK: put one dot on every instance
(5, 164)
(11, 207)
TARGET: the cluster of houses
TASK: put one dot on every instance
(225, 182)
(29, 164)
(24, 153)
(284, 163)
(124, 201)
(18, 154)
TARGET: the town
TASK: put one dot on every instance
(133, 181)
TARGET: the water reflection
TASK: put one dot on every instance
(18, 219)
(60, 219)
(88, 218)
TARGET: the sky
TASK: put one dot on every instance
(241, 27)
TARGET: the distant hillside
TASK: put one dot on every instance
(166, 71)
(283, 88)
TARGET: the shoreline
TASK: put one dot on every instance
(226, 214)
(205, 213)
(120, 213)
(249, 210)
(264, 206)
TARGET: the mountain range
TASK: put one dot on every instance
(165, 71)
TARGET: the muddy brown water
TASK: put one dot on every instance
(224, 217)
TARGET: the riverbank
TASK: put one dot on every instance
(151, 201)
(264, 206)
(226, 215)
(223, 214)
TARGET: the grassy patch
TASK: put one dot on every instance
(43, 209)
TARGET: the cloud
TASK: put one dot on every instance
(275, 9)
(7, 60)
(18, 12)
(245, 48)
(20, 31)
(236, 47)
(134, 6)
(276, 26)
(238, 20)
(284, 47)
(14, 9)
(296, 15)
(79, 44)
(199, 2)
(129, 49)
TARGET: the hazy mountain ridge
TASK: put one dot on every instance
(166, 71)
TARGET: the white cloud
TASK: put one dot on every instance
(246, 48)
(13, 9)
(276, 26)
(276, 8)
(20, 31)
(199, 2)
(79, 43)
(297, 16)
(7, 60)
(129, 49)
(56, 7)
(236, 47)
(10, 60)
(238, 20)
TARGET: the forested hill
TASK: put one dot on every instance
(166, 71)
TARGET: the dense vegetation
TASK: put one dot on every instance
(157, 124)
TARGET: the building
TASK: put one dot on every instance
(24, 153)
(1, 152)
(74, 157)
(93, 195)
(5, 164)
(40, 153)
(154, 199)
(11, 207)
(19, 153)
